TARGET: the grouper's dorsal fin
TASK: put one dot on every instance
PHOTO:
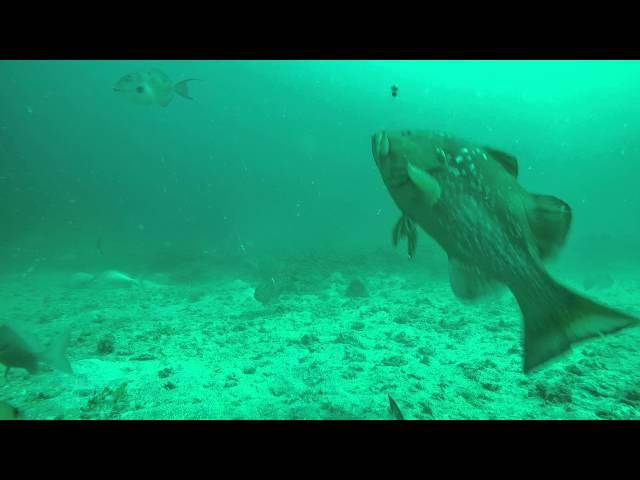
(550, 221)
(508, 161)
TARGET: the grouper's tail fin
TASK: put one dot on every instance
(555, 318)
(182, 88)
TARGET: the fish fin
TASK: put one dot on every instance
(405, 227)
(469, 283)
(563, 318)
(160, 74)
(550, 221)
(396, 234)
(56, 356)
(165, 101)
(428, 185)
(412, 239)
(508, 161)
(394, 409)
(182, 88)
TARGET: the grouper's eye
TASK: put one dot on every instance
(139, 89)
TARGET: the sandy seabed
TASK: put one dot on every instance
(210, 350)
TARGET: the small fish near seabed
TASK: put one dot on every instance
(151, 88)
(15, 352)
(468, 199)
(108, 278)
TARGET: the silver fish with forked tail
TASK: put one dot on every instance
(151, 88)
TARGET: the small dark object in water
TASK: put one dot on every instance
(395, 410)
(394, 91)
(169, 386)
(165, 372)
(356, 289)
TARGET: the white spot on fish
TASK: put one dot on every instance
(459, 159)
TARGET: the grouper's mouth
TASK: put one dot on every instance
(393, 170)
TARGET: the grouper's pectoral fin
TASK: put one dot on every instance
(405, 227)
(550, 221)
(469, 283)
(426, 183)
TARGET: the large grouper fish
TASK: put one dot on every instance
(468, 199)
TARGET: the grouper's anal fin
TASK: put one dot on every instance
(468, 283)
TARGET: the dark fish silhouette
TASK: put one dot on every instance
(468, 199)
(16, 353)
